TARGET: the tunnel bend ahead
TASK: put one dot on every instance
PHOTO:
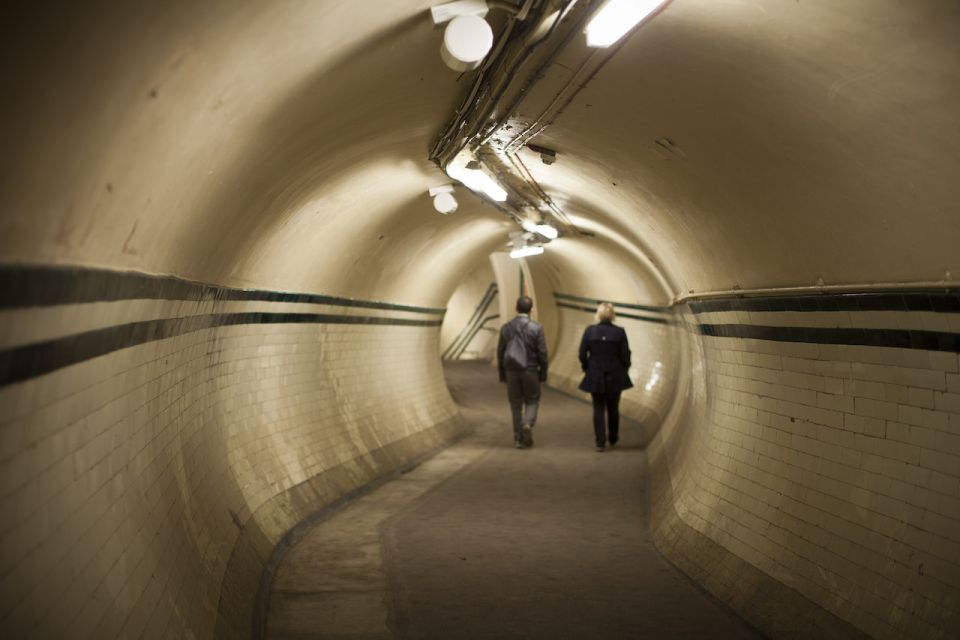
(162, 433)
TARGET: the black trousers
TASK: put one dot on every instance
(609, 402)
(523, 392)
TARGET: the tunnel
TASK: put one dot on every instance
(236, 308)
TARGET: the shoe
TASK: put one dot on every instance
(600, 448)
(518, 444)
(527, 435)
(613, 443)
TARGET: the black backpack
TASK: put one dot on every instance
(515, 355)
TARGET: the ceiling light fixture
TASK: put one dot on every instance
(544, 230)
(523, 252)
(443, 200)
(616, 18)
(476, 179)
(466, 42)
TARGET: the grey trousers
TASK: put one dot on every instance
(523, 391)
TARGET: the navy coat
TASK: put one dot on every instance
(605, 359)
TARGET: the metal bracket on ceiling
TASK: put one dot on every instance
(495, 83)
(443, 13)
(548, 156)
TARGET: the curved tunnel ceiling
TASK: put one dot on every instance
(727, 144)
(760, 144)
(269, 146)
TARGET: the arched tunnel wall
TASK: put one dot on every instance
(154, 461)
(222, 284)
(811, 484)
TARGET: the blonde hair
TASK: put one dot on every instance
(605, 312)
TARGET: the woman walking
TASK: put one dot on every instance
(605, 359)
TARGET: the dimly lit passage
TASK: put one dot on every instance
(254, 261)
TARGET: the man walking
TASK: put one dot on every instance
(522, 362)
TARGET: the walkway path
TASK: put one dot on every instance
(486, 541)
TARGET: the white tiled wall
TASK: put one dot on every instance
(126, 479)
(833, 469)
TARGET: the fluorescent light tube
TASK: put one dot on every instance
(543, 229)
(617, 17)
(526, 251)
(546, 231)
(486, 184)
(477, 180)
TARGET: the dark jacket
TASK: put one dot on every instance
(533, 340)
(605, 359)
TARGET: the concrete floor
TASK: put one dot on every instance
(486, 541)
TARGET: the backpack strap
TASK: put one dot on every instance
(521, 328)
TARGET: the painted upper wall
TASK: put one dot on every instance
(273, 144)
(283, 145)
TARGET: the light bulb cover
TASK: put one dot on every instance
(445, 203)
(466, 42)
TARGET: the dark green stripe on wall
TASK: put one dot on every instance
(929, 301)
(24, 286)
(462, 341)
(896, 338)
(936, 301)
(29, 361)
(619, 314)
(624, 305)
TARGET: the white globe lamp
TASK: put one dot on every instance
(466, 42)
(445, 203)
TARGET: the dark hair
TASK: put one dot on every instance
(524, 304)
